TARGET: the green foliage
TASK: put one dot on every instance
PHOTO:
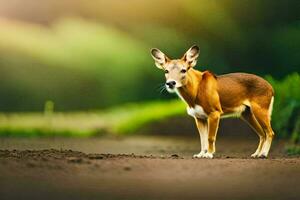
(293, 150)
(286, 111)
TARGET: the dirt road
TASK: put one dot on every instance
(159, 168)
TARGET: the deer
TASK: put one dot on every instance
(209, 98)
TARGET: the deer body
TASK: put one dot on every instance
(209, 98)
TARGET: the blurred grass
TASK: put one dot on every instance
(126, 119)
(137, 116)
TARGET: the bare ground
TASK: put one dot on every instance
(143, 168)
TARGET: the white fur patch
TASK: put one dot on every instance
(197, 112)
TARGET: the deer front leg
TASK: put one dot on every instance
(202, 129)
(213, 124)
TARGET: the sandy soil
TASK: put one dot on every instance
(148, 168)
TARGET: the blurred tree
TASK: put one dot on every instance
(95, 54)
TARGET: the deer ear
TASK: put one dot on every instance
(191, 55)
(159, 57)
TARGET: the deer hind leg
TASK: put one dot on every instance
(263, 117)
(249, 117)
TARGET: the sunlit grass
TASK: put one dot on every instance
(126, 119)
(137, 116)
(58, 124)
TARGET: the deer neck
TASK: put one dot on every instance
(189, 92)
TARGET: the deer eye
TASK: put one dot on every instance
(166, 71)
(183, 71)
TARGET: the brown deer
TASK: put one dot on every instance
(210, 97)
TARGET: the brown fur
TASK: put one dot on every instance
(219, 95)
(226, 92)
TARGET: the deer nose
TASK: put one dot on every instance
(171, 84)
